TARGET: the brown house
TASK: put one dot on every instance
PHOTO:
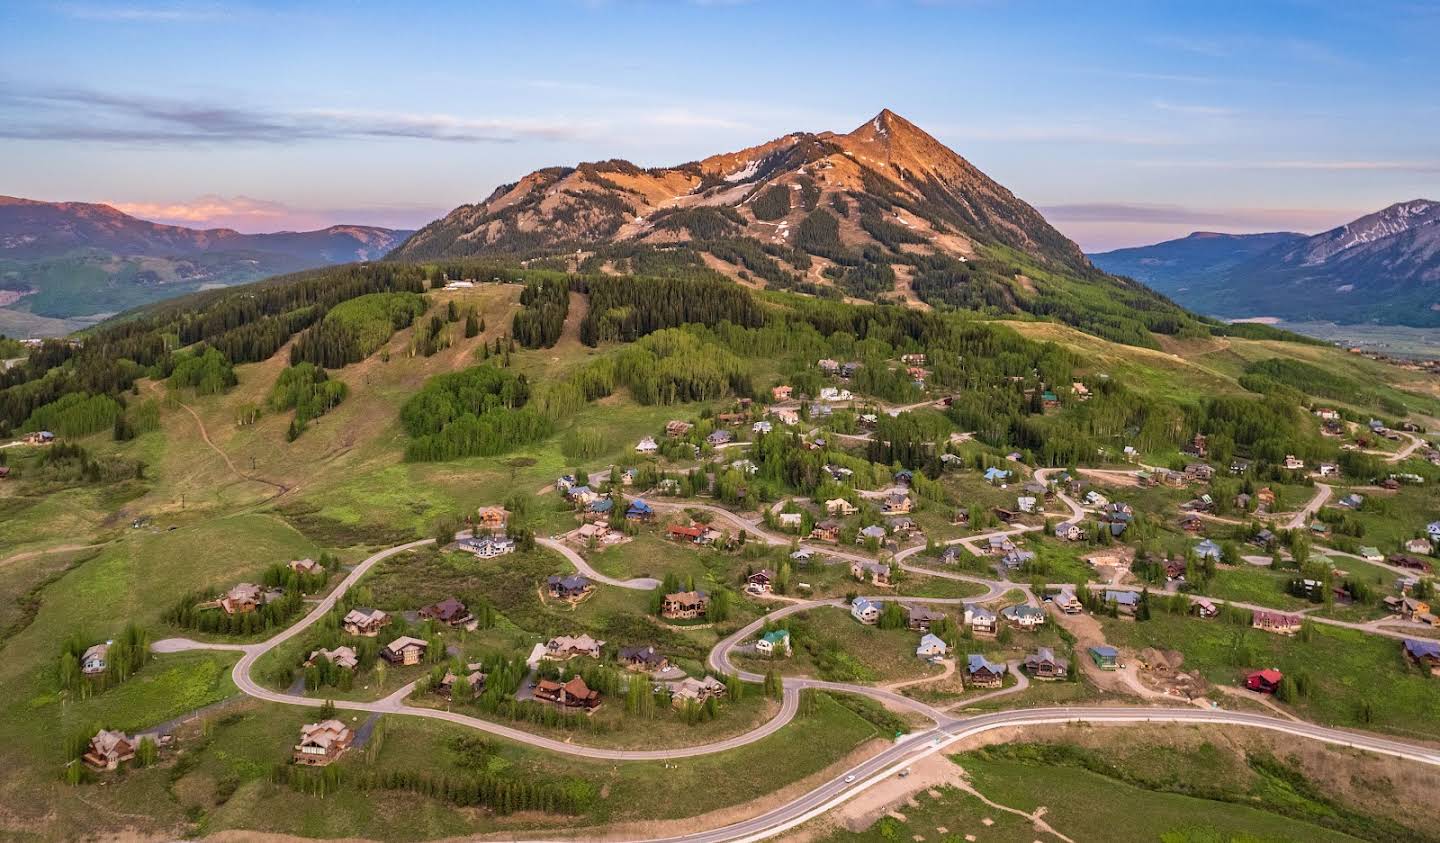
(404, 650)
(366, 622)
(571, 694)
(449, 611)
(1276, 622)
(246, 597)
(492, 518)
(109, 749)
(321, 743)
(827, 530)
(685, 605)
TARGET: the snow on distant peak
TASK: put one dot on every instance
(879, 126)
(744, 173)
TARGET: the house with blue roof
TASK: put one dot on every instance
(1208, 549)
(1125, 601)
(639, 511)
(932, 646)
(980, 672)
(1105, 657)
(996, 475)
(866, 611)
(1425, 653)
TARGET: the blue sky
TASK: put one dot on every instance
(1125, 122)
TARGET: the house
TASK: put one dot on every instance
(897, 504)
(1371, 554)
(931, 647)
(913, 359)
(874, 531)
(1016, 559)
(629, 476)
(981, 620)
(832, 394)
(597, 531)
(951, 555)
(1069, 531)
(841, 507)
(786, 415)
(404, 650)
(1081, 391)
(827, 530)
(366, 622)
(1208, 549)
(39, 437)
(492, 519)
(643, 659)
(790, 519)
(305, 566)
(828, 366)
(488, 547)
(1425, 653)
(1200, 471)
(639, 511)
(247, 597)
(572, 587)
(571, 694)
(1276, 622)
(996, 475)
(719, 437)
(94, 659)
(1094, 498)
(1174, 569)
(449, 611)
(1023, 616)
(876, 573)
(1025, 503)
(1125, 602)
(1293, 463)
(1328, 469)
(802, 556)
(921, 618)
(1068, 603)
(1263, 538)
(1409, 608)
(1264, 681)
(1239, 466)
(675, 428)
(1414, 563)
(1433, 530)
(776, 641)
(565, 483)
(1422, 546)
(1197, 447)
(341, 657)
(1202, 607)
(694, 691)
(647, 446)
(848, 370)
(1191, 523)
(1327, 414)
(781, 393)
(1105, 657)
(1265, 498)
(1044, 666)
(999, 544)
(1351, 501)
(980, 672)
(108, 750)
(693, 533)
(760, 582)
(685, 605)
(472, 676)
(567, 647)
(598, 510)
(582, 495)
(761, 426)
(866, 611)
(732, 419)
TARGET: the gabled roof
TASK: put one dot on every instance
(975, 662)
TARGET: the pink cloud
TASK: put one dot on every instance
(251, 215)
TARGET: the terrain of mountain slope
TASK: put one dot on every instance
(885, 212)
(62, 260)
(1172, 266)
(1383, 267)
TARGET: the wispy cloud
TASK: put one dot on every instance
(1398, 165)
(75, 114)
(1229, 218)
(159, 13)
(1193, 109)
(248, 214)
(1210, 48)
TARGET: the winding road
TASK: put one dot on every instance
(947, 731)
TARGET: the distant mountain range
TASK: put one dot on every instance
(1383, 267)
(882, 213)
(67, 261)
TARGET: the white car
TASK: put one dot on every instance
(849, 779)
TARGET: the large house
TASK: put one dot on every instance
(1425, 653)
(1069, 531)
(404, 650)
(1126, 602)
(760, 582)
(647, 446)
(931, 646)
(571, 694)
(305, 566)
(921, 618)
(1276, 622)
(876, 573)
(94, 660)
(896, 504)
(1023, 616)
(643, 659)
(247, 597)
(571, 587)
(472, 676)
(449, 611)
(981, 620)
(865, 610)
(1043, 665)
(675, 428)
(1264, 681)
(366, 622)
(773, 642)
(1105, 657)
(685, 605)
(840, 506)
(694, 691)
(980, 672)
(568, 647)
(341, 657)
(487, 547)
(323, 742)
(109, 749)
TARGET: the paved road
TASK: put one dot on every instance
(1301, 518)
(636, 584)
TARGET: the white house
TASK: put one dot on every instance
(830, 394)
(866, 611)
(931, 647)
(790, 519)
(647, 445)
(1069, 531)
(980, 619)
(1293, 463)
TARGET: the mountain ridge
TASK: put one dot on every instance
(1382, 267)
